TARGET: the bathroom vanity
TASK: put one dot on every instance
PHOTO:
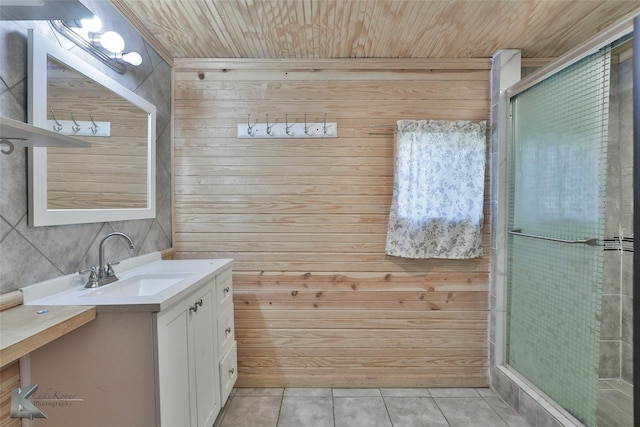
(161, 351)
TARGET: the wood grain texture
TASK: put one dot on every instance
(317, 302)
(9, 380)
(10, 300)
(168, 254)
(329, 29)
(9, 374)
(23, 330)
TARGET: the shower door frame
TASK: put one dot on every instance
(636, 214)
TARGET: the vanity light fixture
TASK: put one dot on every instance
(108, 47)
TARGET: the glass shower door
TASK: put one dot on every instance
(556, 221)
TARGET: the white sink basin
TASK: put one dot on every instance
(140, 285)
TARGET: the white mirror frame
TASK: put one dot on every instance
(39, 50)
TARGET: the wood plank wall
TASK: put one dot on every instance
(317, 302)
(9, 380)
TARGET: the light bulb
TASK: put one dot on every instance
(111, 41)
(92, 25)
(133, 58)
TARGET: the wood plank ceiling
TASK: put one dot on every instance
(322, 29)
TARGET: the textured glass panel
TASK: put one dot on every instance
(558, 181)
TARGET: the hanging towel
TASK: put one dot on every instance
(438, 191)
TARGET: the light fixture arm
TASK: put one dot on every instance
(68, 32)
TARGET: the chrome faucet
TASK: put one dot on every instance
(106, 270)
(104, 274)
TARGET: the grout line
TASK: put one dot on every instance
(280, 408)
(29, 242)
(384, 402)
(333, 407)
(11, 228)
(440, 409)
(496, 411)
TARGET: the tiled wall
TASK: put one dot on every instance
(505, 71)
(616, 351)
(32, 254)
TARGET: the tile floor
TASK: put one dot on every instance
(615, 404)
(386, 407)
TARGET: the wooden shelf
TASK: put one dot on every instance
(28, 327)
(25, 135)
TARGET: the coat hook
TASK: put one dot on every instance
(76, 127)
(306, 129)
(95, 128)
(249, 127)
(287, 128)
(269, 131)
(57, 127)
(9, 144)
(324, 124)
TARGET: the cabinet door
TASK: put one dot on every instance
(174, 366)
(205, 356)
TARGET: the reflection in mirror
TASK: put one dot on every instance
(114, 180)
(113, 172)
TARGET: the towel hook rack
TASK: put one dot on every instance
(310, 128)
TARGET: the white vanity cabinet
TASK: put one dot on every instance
(165, 361)
(187, 360)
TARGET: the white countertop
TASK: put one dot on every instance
(70, 290)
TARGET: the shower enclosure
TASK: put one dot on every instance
(615, 403)
(570, 237)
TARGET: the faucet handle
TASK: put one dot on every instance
(92, 282)
(110, 271)
(91, 270)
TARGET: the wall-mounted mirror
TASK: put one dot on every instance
(113, 180)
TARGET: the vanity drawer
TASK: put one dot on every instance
(224, 290)
(228, 372)
(226, 333)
